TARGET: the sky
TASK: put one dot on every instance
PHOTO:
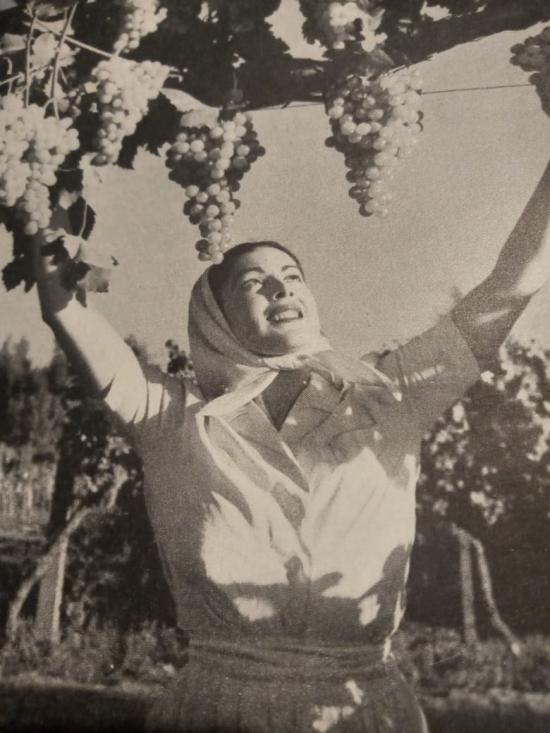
(377, 281)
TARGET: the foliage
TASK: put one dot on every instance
(438, 661)
(31, 420)
(149, 655)
(485, 467)
(494, 443)
(434, 660)
(222, 53)
(114, 572)
(29, 405)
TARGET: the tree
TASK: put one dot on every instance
(485, 470)
(89, 460)
(30, 424)
(114, 574)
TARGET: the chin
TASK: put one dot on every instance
(281, 347)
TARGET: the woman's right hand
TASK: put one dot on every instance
(95, 349)
(53, 290)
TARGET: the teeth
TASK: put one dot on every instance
(287, 315)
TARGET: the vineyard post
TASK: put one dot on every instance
(48, 613)
(466, 587)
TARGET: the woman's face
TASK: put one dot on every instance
(267, 304)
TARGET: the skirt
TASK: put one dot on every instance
(280, 686)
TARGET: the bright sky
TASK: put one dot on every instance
(376, 281)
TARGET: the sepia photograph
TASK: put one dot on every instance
(275, 366)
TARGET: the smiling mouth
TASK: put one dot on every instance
(285, 315)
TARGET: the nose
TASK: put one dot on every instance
(278, 289)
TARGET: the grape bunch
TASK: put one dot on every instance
(534, 55)
(374, 122)
(140, 17)
(334, 22)
(124, 91)
(32, 148)
(209, 160)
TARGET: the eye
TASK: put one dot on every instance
(295, 277)
(250, 283)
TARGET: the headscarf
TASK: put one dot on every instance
(230, 376)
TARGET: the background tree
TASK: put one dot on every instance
(485, 469)
(114, 573)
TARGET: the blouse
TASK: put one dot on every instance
(303, 532)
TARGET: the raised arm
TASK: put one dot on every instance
(91, 344)
(486, 315)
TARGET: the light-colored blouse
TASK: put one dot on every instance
(305, 532)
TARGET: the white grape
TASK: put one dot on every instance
(140, 18)
(392, 105)
(209, 162)
(533, 55)
(32, 149)
(335, 22)
(124, 91)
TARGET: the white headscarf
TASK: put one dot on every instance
(230, 376)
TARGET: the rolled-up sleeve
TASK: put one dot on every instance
(433, 370)
(144, 398)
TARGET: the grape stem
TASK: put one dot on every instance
(28, 65)
(21, 75)
(9, 63)
(56, 65)
(87, 47)
(84, 219)
(75, 42)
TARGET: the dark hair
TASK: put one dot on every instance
(219, 274)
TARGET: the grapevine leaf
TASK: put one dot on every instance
(82, 218)
(69, 242)
(202, 116)
(67, 198)
(7, 218)
(93, 258)
(50, 10)
(56, 249)
(381, 60)
(11, 42)
(97, 279)
(14, 273)
(128, 152)
(158, 127)
(70, 180)
(181, 100)
(73, 273)
(82, 267)
(45, 48)
(19, 271)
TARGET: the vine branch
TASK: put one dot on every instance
(28, 66)
(87, 47)
(22, 74)
(75, 42)
(61, 42)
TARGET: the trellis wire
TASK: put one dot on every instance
(294, 105)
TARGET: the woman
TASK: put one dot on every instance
(281, 489)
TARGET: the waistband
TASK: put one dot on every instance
(282, 658)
